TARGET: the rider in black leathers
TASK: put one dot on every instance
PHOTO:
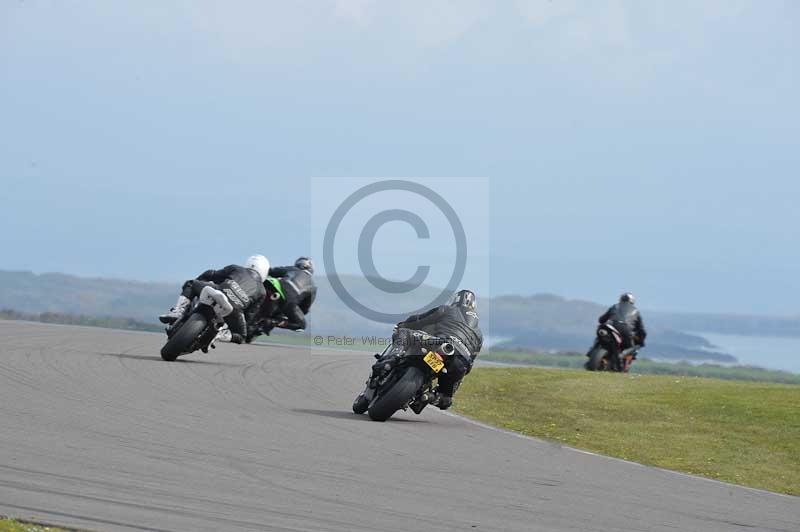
(286, 305)
(243, 287)
(626, 318)
(457, 321)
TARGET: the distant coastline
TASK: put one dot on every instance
(542, 323)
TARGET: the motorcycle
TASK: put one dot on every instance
(609, 340)
(403, 376)
(199, 326)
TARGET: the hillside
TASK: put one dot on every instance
(551, 322)
(540, 322)
(56, 292)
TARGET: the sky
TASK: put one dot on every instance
(643, 146)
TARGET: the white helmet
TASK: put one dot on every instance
(260, 264)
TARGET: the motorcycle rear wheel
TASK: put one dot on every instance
(597, 360)
(398, 395)
(182, 340)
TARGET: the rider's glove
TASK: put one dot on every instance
(252, 333)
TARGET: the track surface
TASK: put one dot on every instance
(97, 432)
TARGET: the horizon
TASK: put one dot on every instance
(425, 286)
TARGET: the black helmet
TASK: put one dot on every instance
(464, 298)
(627, 297)
(304, 263)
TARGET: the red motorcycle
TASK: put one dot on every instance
(609, 340)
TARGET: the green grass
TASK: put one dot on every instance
(566, 361)
(107, 322)
(649, 367)
(741, 432)
(11, 525)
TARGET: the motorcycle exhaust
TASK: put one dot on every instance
(447, 349)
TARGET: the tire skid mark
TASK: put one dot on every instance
(84, 518)
(240, 438)
(165, 510)
(123, 489)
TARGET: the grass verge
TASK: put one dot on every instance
(649, 367)
(106, 322)
(12, 525)
(741, 432)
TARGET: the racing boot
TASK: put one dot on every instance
(224, 334)
(176, 312)
(428, 397)
(444, 402)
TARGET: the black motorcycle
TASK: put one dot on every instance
(404, 374)
(609, 340)
(197, 328)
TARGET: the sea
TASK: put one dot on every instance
(762, 351)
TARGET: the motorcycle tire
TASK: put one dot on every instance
(597, 360)
(181, 342)
(360, 405)
(398, 396)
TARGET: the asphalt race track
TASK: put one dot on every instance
(96, 431)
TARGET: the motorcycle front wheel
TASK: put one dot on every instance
(360, 405)
(182, 340)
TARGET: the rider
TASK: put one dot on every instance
(290, 293)
(458, 322)
(242, 285)
(626, 318)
